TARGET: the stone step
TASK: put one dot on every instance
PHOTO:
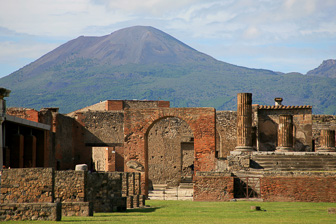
(171, 193)
(159, 186)
(186, 186)
(297, 161)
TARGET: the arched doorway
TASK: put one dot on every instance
(138, 122)
(170, 151)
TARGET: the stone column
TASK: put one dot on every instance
(3, 93)
(327, 141)
(285, 133)
(244, 122)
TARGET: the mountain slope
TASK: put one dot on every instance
(146, 63)
(326, 69)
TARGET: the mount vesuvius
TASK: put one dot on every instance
(145, 63)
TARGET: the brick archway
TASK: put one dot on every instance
(137, 122)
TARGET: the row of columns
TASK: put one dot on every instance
(285, 129)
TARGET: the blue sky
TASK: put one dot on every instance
(280, 35)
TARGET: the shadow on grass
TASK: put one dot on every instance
(143, 210)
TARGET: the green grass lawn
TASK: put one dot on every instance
(214, 212)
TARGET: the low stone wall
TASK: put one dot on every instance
(306, 187)
(27, 185)
(77, 209)
(70, 186)
(213, 186)
(30, 211)
(104, 190)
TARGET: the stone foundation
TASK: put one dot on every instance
(213, 186)
(31, 211)
(77, 209)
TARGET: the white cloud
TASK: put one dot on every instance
(209, 26)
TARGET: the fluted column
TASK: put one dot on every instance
(244, 122)
(327, 141)
(285, 133)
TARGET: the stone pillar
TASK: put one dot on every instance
(327, 141)
(244, 122)
(3, 93)
(285, 133)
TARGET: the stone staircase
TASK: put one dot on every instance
(295, 161)
(162, 192)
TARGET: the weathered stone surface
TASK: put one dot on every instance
(226, 127)
(170, 151)
(298, 188)
(135, 165)
(30, 211)
(213, 186)
(70, 186)
(27, 185)
(77, 209)
(81, 167)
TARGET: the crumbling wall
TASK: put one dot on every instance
(165, 157)
(24, 113)
(102, 128)
(138, 123)
(226, 126)
(213, 186)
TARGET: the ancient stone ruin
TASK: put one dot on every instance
(136, 150)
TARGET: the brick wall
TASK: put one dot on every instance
(299, 188)
(213, 186)
(24, 113)
(114, 105)
(27, 185)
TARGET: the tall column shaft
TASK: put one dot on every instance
(244, 122)
(327, 141)
(285, 133)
